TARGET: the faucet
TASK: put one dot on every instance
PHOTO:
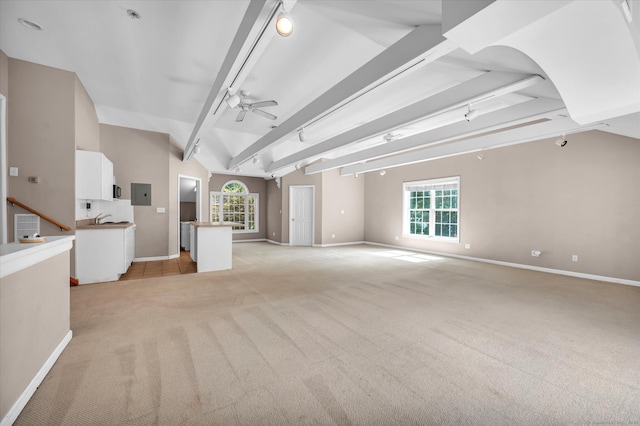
(97, 219)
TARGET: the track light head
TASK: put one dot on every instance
(383, 172)
(284, 23)
(255, 160)
(301, 135)
(471, 115)
(561, 142)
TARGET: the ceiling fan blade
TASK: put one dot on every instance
(264, 114)
(263, 104)
(241, 115)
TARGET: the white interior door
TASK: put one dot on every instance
(301, 215)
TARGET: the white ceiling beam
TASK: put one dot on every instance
(525, 112)
(425, 44)
(249, 29)
(487, 85)
(534, 132)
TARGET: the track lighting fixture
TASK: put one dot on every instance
(383, 172)
(237, 169)
(562, 141)
(471, 114)
(255, 160)
(301, 135)
(284, 24)
(480, 156)
(355, 175)
(196, 150)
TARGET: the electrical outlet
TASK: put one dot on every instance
(536, 253)
(397, 238)
(13, 171)
(467, 246)
(574, 258)
(333, 235)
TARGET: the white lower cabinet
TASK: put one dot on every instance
(104, 254)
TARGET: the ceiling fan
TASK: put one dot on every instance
(245, 105)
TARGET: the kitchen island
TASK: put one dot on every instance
(211, 245)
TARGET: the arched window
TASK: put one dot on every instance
(234, 203)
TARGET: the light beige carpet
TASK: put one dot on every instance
(347, 335)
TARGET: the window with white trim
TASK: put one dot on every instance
(234, 203)
(430, 208)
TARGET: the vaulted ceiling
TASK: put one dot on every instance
(371, 83)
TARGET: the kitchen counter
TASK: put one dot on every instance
(216, 224)
(80, 224)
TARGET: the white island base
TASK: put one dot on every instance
(211, 245)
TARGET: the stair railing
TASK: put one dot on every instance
(62, 227)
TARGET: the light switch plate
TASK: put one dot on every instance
(13, 171)
(160, 210)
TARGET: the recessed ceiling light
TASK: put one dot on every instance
(133, 14)
(30, 24)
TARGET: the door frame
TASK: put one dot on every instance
(198, 204)
(313, 213)
(3, 170)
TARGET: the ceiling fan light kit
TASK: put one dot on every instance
(233, 101)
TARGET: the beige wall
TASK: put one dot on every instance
(188, 211)
(194, 169)
(141, 156)
(255, 185)
(34, 319)
(581, 199)
(4, 74)
(274, 212)
(334, 195)
(342, 208)
(87, 129)
(41, 142)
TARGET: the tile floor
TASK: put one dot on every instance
(161, 268)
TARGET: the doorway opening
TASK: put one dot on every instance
(189, 209)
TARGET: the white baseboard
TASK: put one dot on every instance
(153, 259)
(518, 265)
(21, 402)
(278, 243)
(257, 240)
(352, 243)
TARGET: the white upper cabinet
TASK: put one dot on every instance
(94, 176)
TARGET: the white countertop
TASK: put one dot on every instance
(15, 257)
